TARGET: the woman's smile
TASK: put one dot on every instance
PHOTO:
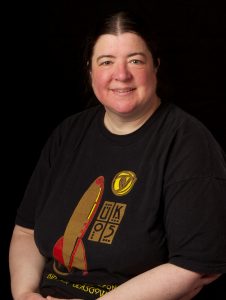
(122, 91)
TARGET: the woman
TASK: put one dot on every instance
(128, 198)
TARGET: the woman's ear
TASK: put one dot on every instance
(158, 62)
(90, 76)
(157, 67)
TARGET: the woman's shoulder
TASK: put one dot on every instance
(193, 144)
(72, 128)
(77, 122)
(182, 123)
(85, 116)
(179, 117)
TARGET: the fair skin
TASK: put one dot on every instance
(124, 80)
(26, 265)
(165, 282)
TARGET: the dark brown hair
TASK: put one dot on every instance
(118, 23)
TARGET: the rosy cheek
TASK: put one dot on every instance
(100, 79)
(148, 80)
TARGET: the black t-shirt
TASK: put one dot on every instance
(107, 207)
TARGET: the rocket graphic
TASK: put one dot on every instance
(69, 250)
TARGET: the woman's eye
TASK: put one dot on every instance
(136, 61)
(105, 63)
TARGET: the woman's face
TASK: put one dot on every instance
(123, 75)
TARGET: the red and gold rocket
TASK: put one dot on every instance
(69, 250)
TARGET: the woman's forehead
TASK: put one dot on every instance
(120, 42)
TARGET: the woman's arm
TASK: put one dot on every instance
(26, 265)
(165, 282)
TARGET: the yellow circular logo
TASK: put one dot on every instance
(123, 182)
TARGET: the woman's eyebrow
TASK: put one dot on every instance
(136, 53)
(112, 56)
(104, 56)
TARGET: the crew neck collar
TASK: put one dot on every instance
(133, 136)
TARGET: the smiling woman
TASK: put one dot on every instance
(127, 200)
(124, 80)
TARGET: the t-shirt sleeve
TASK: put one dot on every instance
(195, 201)
(40, 182)
(196, 224)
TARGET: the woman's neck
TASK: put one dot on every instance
(125, 124)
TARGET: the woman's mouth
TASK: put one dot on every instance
(122, 91)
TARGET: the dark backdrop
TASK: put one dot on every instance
(45, 84)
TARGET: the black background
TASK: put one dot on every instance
(43, 82)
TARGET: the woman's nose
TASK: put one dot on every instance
(122, 72)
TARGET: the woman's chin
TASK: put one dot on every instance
(123, 110)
